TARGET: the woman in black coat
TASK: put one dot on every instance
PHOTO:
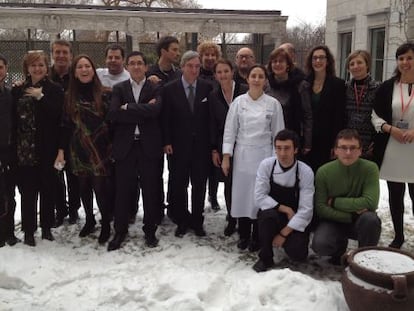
(220, 100)
(38, 103)
(327, 94)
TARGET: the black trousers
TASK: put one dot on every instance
(270, 222)
(127, 171)
(7, 204)
(34, 182)
(194, 167)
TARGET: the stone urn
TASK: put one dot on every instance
(378, 278)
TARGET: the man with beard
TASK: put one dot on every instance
(244, 60)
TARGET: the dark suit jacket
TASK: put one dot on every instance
(181, 127)
(218, 113)
(142, 113)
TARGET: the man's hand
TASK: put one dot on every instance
(35, 92)
(278, 241)
(154, 79)
(287, 210)
(215, 157)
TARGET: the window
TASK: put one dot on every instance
(377, 36)
(345, 46)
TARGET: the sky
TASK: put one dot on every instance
(298, 11)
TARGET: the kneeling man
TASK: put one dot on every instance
(284, 194)
(346, 197)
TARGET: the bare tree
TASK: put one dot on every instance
(304, 37)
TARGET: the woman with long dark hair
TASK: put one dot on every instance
(87, 133)
(327, 93)
(393, 119)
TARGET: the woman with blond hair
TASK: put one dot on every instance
(38, 103)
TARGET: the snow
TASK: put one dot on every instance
(191, 273)
(385, 261)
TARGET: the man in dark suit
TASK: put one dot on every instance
(185, 124)
(137, 149)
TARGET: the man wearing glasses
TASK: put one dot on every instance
(346, 197)
(244, 60)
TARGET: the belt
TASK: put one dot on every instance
(137, 137)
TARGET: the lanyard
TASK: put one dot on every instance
(359, 96)
(404, 108)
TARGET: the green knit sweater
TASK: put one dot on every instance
(353, 188)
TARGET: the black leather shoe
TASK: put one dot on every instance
(87, 229)
(47, 235)
(116, 242)
(2, 243)
(230, 228)
(261, 266)
(151, 241)
(243, 243)
(58, 222)
(73, 218)
(397, 243)
(29, 239)
(214, 204)
(12, 240)
(200, 232)
(105, 233)
(180, 231)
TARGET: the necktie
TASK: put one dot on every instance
(191, 97)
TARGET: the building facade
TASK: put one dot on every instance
(378, 26)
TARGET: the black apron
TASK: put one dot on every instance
(288, 196)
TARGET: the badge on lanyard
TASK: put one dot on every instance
(403, 125)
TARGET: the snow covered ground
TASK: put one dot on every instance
(180, 274)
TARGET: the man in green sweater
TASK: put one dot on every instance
(346, 197)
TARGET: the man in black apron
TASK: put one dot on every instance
(284, 194)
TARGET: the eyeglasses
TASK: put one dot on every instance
(320, 58)
(348, 148)
(244, 56)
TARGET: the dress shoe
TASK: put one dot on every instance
(58, 222)
(397, 242)
(87, 229)
(180, 231)
(230, 228)
(200, 231)
(253, 246)
(116, 242)
(243, 244)
(12, 240)
(151, 240)
(29, 239)
(47, 235)
(2, 243)
(73, 218)
(261, 266)
(105, 233)
(214, 204)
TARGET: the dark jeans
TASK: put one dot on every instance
(270, 223)
(331, 238)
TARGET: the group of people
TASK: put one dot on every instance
(108, 130)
